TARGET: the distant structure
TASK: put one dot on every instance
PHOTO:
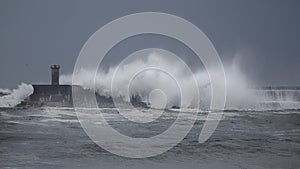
(55, 74)
(51, 95)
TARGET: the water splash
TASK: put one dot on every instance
(241, 91)
(14, 97)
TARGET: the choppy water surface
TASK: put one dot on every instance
(53, 138)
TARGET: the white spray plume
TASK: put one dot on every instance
(15, 96)
(5, 91)
(237, 84)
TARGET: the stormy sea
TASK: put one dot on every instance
(259, 129)
(53, 138)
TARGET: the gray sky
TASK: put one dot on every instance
(264, 36)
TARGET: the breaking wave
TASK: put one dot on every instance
(242, 93)
(11, 98)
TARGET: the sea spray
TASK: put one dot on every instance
(5, 91)
(238, 93)
(15, 96)
(242, 93)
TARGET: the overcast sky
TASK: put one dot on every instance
(264, 36)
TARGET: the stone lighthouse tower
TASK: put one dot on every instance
(55, 74)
